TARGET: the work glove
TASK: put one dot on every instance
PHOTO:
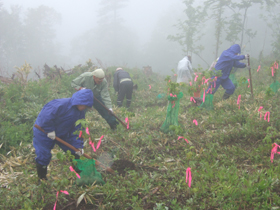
(80, 152)
(247, 56)
(111, 110)
(51, 135)
(81, 88)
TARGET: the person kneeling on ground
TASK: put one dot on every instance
(58, 118)
(96, 82)
(228, 59)
(124, 86)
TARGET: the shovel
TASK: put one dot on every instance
(111, 113)
(97, 163)
(251, 83)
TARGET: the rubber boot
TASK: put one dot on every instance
(226, 96)
(42, 171)
(128, 102)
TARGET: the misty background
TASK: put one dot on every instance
(134, 33)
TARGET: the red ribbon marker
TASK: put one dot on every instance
(181, 137)
(259, 68)
(72, 169)
(195, 78)
(259, 110)
(87, 131)
(192, 99)
(151, 86)
(248, 82)
(274, 151)
(189, 176)
(65, 192)
(194, 121)
(127, 121)
(272, 71)
(81, 133)
(238, 101)
(267, 114)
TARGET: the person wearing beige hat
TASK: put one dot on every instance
(124, 86)
(98, 84)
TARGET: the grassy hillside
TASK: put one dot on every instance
(228, 151)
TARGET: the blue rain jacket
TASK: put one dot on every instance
(60, 115)
(229, 59)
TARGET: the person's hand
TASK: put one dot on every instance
(51, 135)
(80, 152)
(247, 56)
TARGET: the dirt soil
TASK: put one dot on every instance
(122, 165)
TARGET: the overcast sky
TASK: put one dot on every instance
(78, 16)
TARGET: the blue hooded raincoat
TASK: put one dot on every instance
(60, 115)
(227, 60)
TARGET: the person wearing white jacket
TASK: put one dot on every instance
(184, 70)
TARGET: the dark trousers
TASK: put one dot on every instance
(125, 90)
(110, 119)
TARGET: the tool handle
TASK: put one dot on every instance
(249, 68)
(76, 150)
(111, 113)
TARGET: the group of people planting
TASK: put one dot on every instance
(57, 118)
(228, 59)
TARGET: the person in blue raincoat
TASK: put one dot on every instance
(228, 59)
(58, 118)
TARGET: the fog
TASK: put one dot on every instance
(127, 33)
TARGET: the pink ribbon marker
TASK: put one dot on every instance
(192, 99)
(189, 176)
(272, 71)
(238, 101)
(65, 192)
(259, 68)
(204, 95)
(98, 144)
(151, 86)
(72, 169)
(248, 82)
(267, 114)
(194, 121)
(274, 151)
(175, 75)
(81, 133)
(259, 110)
(181, 137)
(195, 78)
(87, 131)
(190, 83)
(127, 122)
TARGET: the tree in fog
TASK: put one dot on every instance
(190, 29)
(111, 40)
(11, 38)
(39, 34)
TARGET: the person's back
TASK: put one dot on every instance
(184, 70)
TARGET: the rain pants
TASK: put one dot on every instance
(60, 115)
(226, 61)
(184, 70)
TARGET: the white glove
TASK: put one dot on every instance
(111, 110)
(82, 88)
(80, 152)
(51, 135)
(247, 56)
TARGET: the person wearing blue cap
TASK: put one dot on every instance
(58, 119)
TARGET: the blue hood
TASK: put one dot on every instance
(234, 49)
(82, 97)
